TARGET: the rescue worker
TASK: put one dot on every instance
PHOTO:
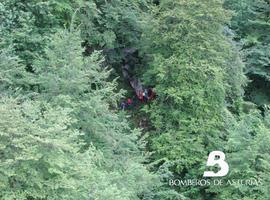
(151, 94)
(129, 103)
(145, 95)
(140, 96)
(123, 105)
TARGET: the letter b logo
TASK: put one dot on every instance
(220, 161)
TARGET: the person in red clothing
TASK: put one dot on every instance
(129, 101)
(140, 96)
(151, 94)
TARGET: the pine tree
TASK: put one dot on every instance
(40, 156)
(251, 23)
(246, 152)
(12, 71)
(191, 57)
(27, 25)
(96, 153)
(111, 24)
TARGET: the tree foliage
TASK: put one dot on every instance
(39, 155)
(111, 24)
(251, 23)
(66, 132)
(248, 136)
(61, 134)
(198, 76)
(30, 23)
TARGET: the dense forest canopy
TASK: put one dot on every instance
(68, 66)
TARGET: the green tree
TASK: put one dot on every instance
(74, 111)
(12, 72)
(27, 25)
(40, 156)
(246, 153)
(190, 69)
(251, 23)
(111, 24)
